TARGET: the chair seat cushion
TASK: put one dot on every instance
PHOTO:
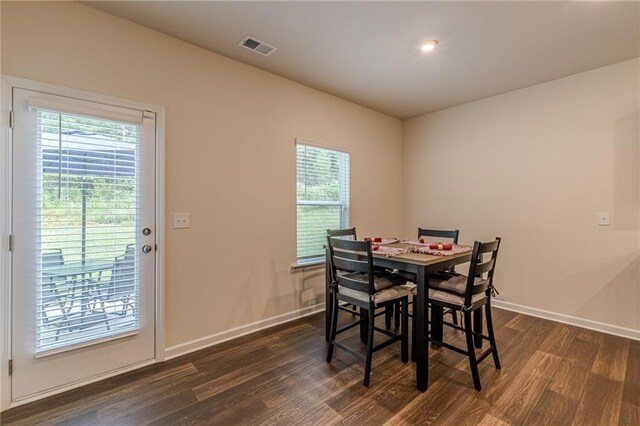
(385, 295)
(444, 296)
(456, 283)
(453, 299)
(380, 280)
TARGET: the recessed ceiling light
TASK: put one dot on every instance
(429, 46)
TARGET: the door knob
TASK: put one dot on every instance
(146, 248)
(146, 232)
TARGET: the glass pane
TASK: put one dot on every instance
(322, 190)
(319, 173)
(313, 222)
(86, 221)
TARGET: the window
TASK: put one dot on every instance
(322, 181)
(87, 193)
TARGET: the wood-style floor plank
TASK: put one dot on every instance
(551, 374)
(601, 401)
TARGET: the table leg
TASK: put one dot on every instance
(327, 297)
(420, 310)
(477, 327)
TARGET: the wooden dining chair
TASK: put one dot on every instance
(354, 282)
(467, 294)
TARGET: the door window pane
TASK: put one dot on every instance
(87, 210)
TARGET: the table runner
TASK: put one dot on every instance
(423, 248)
(390, 251)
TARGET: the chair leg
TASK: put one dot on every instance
(388, 313)
(473, 363)
(492, 337)
(367, 365)
(333, 328)
(477, 327)
(397, 312)
(404, 349)
(454, 317)
(413, 333)
(437, 333)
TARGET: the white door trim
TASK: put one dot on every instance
(7, 84)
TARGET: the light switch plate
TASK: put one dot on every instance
(181, 220)
(603, 219)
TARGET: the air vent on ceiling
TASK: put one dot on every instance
(257, 46)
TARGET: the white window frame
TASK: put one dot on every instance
(344, 193)
(7, 84)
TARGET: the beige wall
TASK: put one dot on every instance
(230, 157)
(535, 166)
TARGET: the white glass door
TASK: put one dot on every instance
(84, 241)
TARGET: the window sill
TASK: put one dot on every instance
(308, 264)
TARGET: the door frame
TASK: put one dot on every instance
(7, 84)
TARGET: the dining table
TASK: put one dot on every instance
(78, 273)
(421, 265)
(78, 268)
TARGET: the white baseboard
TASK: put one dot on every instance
(568, 319)
(79, 383)
(223, 336)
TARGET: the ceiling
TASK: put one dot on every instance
(368, 52)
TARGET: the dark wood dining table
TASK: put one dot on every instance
(421, 265)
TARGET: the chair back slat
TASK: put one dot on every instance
(346, 232)
(354, 283)
(439, 233)
(350, 245)
(479, 267)
(349, 257)
(350, 265)
(489, 247)
(482, 268)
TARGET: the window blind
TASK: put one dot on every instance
(87, 209)
(322, 179)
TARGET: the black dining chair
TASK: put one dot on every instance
(55, 291)
(349, 234)
(430, 233)
(354, 281)
(122, 285)
(467, 294)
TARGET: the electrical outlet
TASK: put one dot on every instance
(181, 220)
(313, 300)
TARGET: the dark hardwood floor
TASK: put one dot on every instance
(552, 374)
